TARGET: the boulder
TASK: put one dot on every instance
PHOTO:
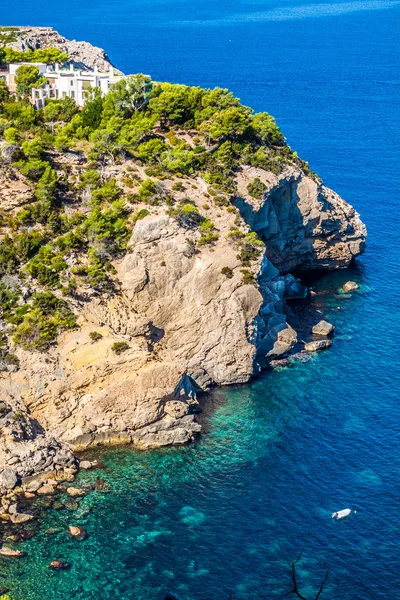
(317, 346)
(85, 465)
(8, 479)
(33, 485)
(77, 532)
(286, 340)
(19, 518)
(75, 492)
(323, 328)
(350, 286)
(11, 553)
(46, 490)
(11, 153)
(59, 565)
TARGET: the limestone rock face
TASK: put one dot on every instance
(83, 55)
(305, 225)
(204, 320)
(28, 448)
(177, 311)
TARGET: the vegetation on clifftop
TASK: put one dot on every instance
(79, 218)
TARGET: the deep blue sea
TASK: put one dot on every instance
(227, 514)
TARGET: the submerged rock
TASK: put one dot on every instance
(22, 536)
(75, 492)
(77, 532)
(59, 565)
(323, 328)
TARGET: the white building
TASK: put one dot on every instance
(64, 82)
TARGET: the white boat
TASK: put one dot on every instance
(341, 514)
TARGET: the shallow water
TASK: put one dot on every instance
(228, 513)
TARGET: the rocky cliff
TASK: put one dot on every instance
(83, 55)
(178, 311)
(178, 304)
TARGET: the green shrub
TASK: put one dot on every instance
(251, 248)
(119, 347)
(105, 194)
(227, 271)
(46, 316)
(178, 187)
(208, 233)
(95, 336)
(46, 266)
(186, 214)
(247, 277)
(256, 188)
(33, 168)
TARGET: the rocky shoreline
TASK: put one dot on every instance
(179, 306)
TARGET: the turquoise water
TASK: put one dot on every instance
(227, 514)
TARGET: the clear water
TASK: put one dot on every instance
(227, 514)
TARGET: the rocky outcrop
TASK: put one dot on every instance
(82, 54)
(305, 225)
(323, 328)
(178, 313)
(178, 308)
(26, 449)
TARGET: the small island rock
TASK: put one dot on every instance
(350, 286)
(317, 346)
(323, 328)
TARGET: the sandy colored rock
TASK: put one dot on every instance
(323, 328)
(75, 492)
(77, 532)
(46, 490)
(19, 518)
(175, 308)
(59, 565)
(85, 465)
(11, 553)
(82, 54)
(286, 340)
(317, 346)
(350, 286)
